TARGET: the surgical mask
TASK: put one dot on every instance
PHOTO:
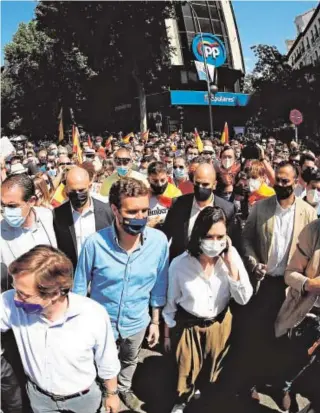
(179, 173)
(14, 217)
(212, 248)
(78, 199)
(134, 226)
(143, 171)
(254, 184)
(169, 168)
(122, 170)
(283, 192)
(202, 194)
(52, 172)
(191, 157)
(313, 196)
(29, 307)
(227, 163)
(159, 189)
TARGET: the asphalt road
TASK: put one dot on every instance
(154, 385)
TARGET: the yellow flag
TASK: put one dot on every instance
(61, 134)
(76, 148)
(198, 140)
(126, 139)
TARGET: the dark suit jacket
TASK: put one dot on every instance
(177, 221)
(64, 226)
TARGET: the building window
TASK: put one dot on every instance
(316, 56)
(316, 32)
(308, 43)
(312, 37)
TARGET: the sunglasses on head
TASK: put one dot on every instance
(122, 161)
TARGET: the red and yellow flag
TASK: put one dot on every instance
(61, 133)
(89, 142)
(126, 139)
(145, 135)
(198, 140)
(76, 143)
(225, 134)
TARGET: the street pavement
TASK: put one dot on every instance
(154, 384)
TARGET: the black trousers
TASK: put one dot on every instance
(11, 397)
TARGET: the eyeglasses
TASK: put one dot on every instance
(207, 153)
(178, 167)
(122, 161)
(65, 163)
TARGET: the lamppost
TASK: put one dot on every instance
(211, 87)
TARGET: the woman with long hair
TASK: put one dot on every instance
(202, 281)
(42, 192)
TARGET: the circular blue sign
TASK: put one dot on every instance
(210, 47)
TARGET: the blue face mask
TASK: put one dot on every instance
(179, 173)
(134, 226)
(29, 307)
(122, 170)
(14, 217)
(52, 172)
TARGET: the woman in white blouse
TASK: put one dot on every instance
(197, 316)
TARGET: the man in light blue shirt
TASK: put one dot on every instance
(127, 265)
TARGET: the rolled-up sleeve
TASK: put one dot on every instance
(84, 268)
(241, 290)
(106, 354)
(159, 291)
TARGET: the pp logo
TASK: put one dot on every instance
(210, 48)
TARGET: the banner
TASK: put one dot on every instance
(201, 69)
(195, 97)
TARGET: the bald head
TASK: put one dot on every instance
(122, 153)
(205, 174)
(77, 179)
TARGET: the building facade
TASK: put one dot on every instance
(306, 48)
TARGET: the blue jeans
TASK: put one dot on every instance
(87, 403)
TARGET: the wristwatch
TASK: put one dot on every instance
(112, 392)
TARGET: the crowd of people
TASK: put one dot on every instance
(208, 252)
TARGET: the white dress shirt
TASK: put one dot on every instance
(195, 211)
(281, 240)
(84, 225)
(61, 356)
(201, 296)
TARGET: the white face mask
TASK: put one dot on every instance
(254, 184)
(212, 248)
(227, 163)
(313, 196)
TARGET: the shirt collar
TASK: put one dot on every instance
(115, 236)
(196, 205)
(281, 210)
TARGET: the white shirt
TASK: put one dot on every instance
(300, 191)
(200, 296)
(60, 356)
(281, 240)
(195, 211)
(156, 209)
(84, 225)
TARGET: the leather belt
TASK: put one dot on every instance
(56, 397)
(190, 320)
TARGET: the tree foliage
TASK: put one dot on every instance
(278, 88)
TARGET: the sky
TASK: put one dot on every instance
(265, 22)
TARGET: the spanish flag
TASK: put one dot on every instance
(198, 140)
(76, 143)
(60, 117)
(145, 135)
(263, 192)
(225, 134)
(126, 139)
(89, 142)
(59, 196)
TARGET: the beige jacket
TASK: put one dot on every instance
(305, 263)
(258, 231)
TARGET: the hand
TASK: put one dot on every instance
(112, 404)
(154, 334)
(227, 256)
(261, 151)
(167, 344)
(313, 285)
(260, 271)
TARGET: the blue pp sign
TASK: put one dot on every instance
(209, 47)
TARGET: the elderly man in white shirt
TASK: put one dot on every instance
(64, 340)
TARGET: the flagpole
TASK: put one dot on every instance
(206, 69)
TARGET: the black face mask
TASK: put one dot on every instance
(158, 189)
(283, 192)
(191, 176)
(78, 199)
(202, 194)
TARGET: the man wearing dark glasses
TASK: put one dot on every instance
(123, 164)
